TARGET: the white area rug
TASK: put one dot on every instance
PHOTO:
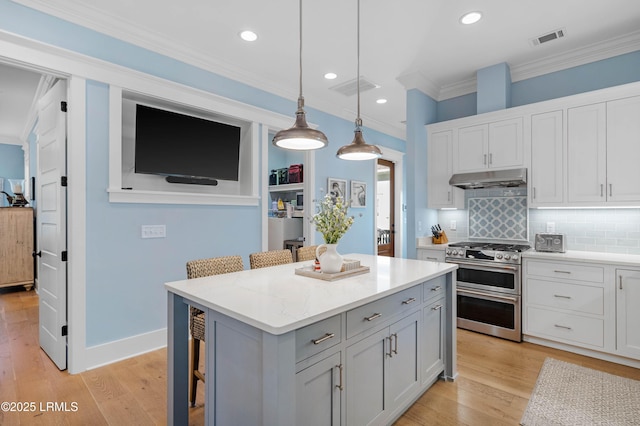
(567, 394)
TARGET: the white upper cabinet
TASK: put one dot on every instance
(603, 153)
(587, 154)
(440, 168)
(495, 145)
(547, 167)
(623, 150)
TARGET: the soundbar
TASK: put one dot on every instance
(191, 180)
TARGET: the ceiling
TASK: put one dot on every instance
(404, 43)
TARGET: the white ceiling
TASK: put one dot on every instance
(404, 43)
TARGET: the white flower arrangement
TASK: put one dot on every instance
(332, 220)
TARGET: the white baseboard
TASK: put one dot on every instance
(108, 353)
(583, 351)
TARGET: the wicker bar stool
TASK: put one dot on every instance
(264, 259)
(308, 253)
(198, 269)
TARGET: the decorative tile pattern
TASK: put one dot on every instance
(498, 218)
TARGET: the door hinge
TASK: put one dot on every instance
(64, 330)
(63, 180)
(64, 256)
(63, 106)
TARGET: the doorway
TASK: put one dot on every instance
(385, 208)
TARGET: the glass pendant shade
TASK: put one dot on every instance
(300, 137)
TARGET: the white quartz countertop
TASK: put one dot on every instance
(586, 257)
(277, 301)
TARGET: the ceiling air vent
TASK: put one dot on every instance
(554, 35)
(350, 88)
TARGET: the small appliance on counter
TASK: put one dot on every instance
(554, 243)
(18, 200)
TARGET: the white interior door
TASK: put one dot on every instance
(52, 223)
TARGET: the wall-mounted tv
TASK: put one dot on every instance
(177, 145)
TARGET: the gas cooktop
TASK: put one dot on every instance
(485, 252)
(475, 245)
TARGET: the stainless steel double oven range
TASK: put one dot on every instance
(489, 287)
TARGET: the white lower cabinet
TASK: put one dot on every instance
(318, 393)
(571, 303)
(382, 371)
(432, 255)
(628, 314)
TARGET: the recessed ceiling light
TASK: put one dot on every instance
(248, 35)
(330, 75)
(471, 18)
(381, 101)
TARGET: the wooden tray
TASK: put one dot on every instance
(307, 271)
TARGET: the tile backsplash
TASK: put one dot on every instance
(598, 230)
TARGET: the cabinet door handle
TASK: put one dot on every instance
(562, 272)
(562, 326)
(408, 301)
(485, 160)
(561, 296)
(436, 288)
(323, 338)
(620, 281)
(372, 317)
(610, 190)
(534, 192)
(601, 190)
(490, 159)
(390, 353)
(395, 350)
(436, 308)
(448, 195)
(340, 385)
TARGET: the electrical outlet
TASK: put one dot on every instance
(154, 231)
(453, 225)
(551, 227)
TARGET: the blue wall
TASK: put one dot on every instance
(11, 167)
(609, 72)
(119, 262)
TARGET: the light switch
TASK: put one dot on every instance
(154, 231)
(453, 225)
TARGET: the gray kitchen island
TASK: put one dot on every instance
(286, 349)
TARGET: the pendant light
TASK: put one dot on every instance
(358, 149)
(300, 137)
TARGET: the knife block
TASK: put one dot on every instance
(440, 239)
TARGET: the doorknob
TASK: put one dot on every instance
(39, 254)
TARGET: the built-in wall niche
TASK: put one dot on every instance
(127, 186)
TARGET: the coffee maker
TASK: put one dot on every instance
(17, 187)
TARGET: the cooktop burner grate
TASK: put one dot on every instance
(475, 245)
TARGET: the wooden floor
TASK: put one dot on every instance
(496, 378)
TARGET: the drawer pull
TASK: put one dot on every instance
(340, 386)
(436, 288)
(559, 296)
(323, 338)
(432, 258)
(437, 307)
(372, 317)
(562, 272)
(562, 326)
(408, 301)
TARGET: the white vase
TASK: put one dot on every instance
(330, 260)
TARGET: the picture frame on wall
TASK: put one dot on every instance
(358, 194)
(337, 187)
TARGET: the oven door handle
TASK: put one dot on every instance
(484, 267)
(486, 295)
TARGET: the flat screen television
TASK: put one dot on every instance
(177, 145)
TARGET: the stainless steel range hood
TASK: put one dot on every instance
(512, 177)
